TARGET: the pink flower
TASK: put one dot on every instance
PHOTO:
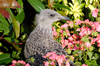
(53, 29)
(64, 26)
(64, 43)
(14, 61)
(61, 31)
(48, 54)
(98, 28)
(67, 63)
(93, 40)
(78, 22)
(95, 12)
(27, 64)
(88, 44)
(46, 63)
(21, 61)
(55, 33)
(84, 65)
(53, 56)
(87, 21)
(75, 48)
(12, 64)
(78, 29)
(85, 31)
(52, 63)
(60, 59)
(70, 23)
(68, 33)
(74, 36)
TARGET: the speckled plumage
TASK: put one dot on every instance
(41, 41)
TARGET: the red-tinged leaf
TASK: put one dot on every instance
(9, 4)
(4, 13)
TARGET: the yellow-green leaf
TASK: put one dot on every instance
(16, 26)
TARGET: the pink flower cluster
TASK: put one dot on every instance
(54, 58)
(82, 34)
(95, 12)
(19, 63)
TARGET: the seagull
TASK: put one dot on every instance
(40, 40)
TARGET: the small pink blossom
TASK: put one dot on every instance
(48, 54)
(53, 56)
(84, 65)
(98, 28)
(14, 61)
(67, 63)
(55, 33)
(68, 33)
(21, 61)
(75, 48)
(64, 26)
(13, 64)
(70, 23)
(27, 64)
(53, 29)
(52, 63)
(93, 40)
(95, 12)
(64, 43)
(60, 59)
(61, 31)
(87, 21)
(78, 29)
(75, 36)
(85, 31)
(46, 63)
(78, 22)
(88, 44)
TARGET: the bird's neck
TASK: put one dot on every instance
(45, 31)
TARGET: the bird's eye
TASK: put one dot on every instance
(52, 15)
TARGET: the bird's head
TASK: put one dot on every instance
(47, 17)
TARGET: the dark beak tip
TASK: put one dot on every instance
(68, 19)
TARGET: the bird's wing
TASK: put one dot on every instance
(57, 48)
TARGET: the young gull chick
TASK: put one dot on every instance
(40, 40)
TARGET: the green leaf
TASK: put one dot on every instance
(78, 64)
(0, 44)
(61, 6)
(5, 28)
(20, 17)
(21, 4)
(91, 63)
(3, 21)
(82, 5)
(5, 58)
(9, 39)
(94, 33)
(16, 47)
(89, 54)
(62, 13)
(58, 39)
(4, 25)
(16, 26)
(32, 59)
(85, 39)
(37, 5)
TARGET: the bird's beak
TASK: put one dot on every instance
(64, 18)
